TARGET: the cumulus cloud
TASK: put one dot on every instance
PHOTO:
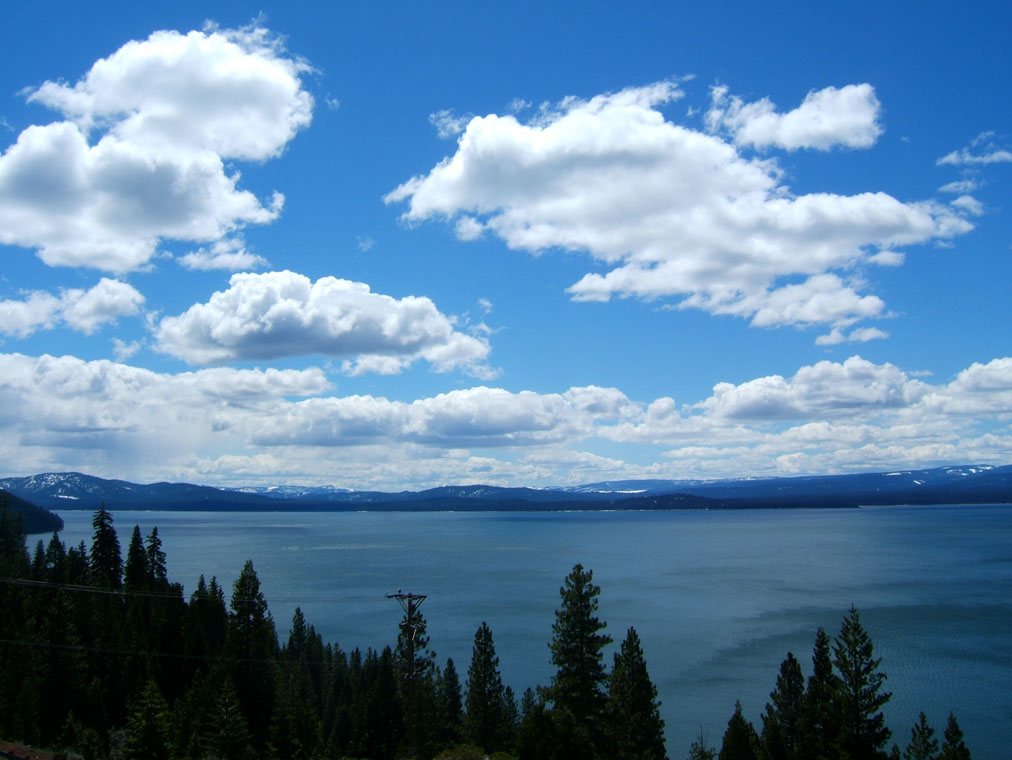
(140, 157)
(81, 310)
(283, 314)
(229, 426)
(671, 211)
(829, 117)
(826, 389)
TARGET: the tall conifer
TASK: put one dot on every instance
(635, 726)
(577, 651)
(485, 706)
(864, 733)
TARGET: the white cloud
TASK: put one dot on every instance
(447, 123)
(960, 186)
(141, 156)
(81, 310)
(982, 151)
(231, 426)
(669, 210)
(847, 116)
(229, 254)
(824, 390)
(969, 205)
(861, 335)
(123, 350)
(283, 314)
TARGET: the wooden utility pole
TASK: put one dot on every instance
(410, 626)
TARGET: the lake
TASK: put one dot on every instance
(717, 597)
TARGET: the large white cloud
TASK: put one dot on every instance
(141, 155)
(81, 310)
(671, 210)
(824, 390)
(847, 116)
(231, 426)
(283, 314)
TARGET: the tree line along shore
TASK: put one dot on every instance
(102, 657)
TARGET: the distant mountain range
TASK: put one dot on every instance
(943, 485)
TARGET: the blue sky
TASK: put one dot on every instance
(397, 245)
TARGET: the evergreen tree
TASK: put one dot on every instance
(252, 645)
(577, 651)
(864, 733)
(106, 562)
(147, 731)
(699, 750)
(740, 739)
(820, 721)
(923, 744)
(781, 722)
(635, 726)
(450, 703)
(953, 747)
(485, 705)
(157, 575)
(135, 572)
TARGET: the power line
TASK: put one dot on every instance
(177, 596)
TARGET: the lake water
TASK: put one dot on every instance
(717, 597)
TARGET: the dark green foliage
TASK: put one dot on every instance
(554, 735)
(450, 707)
(251, 644)
(863, 730)
(32, 519)
(577, 651)
(740, 739)
(953, 747)
(820, 720)
(923, 744)
(699, 750)
(135, 571)
(136, 670)
(106, 562)
(635, 728)
(781, 722)
(485, 718)
(147, 730)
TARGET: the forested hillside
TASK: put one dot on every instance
(33, 519)
(102, 656)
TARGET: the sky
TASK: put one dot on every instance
(390, 245)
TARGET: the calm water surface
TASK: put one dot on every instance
(718, 598)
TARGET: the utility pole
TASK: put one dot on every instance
(410, 626)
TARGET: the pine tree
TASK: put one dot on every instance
(252, 645)
(699, 750)
(781, 723)
(148, 726)
(820, 721)
(864, 733)
(485, 704)
(106, 562)
(740, 739)
(450, 703)
(634, 721)
(923, 744)
(953, 747)
(577, 651)
(135, 572)
(157, 575)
